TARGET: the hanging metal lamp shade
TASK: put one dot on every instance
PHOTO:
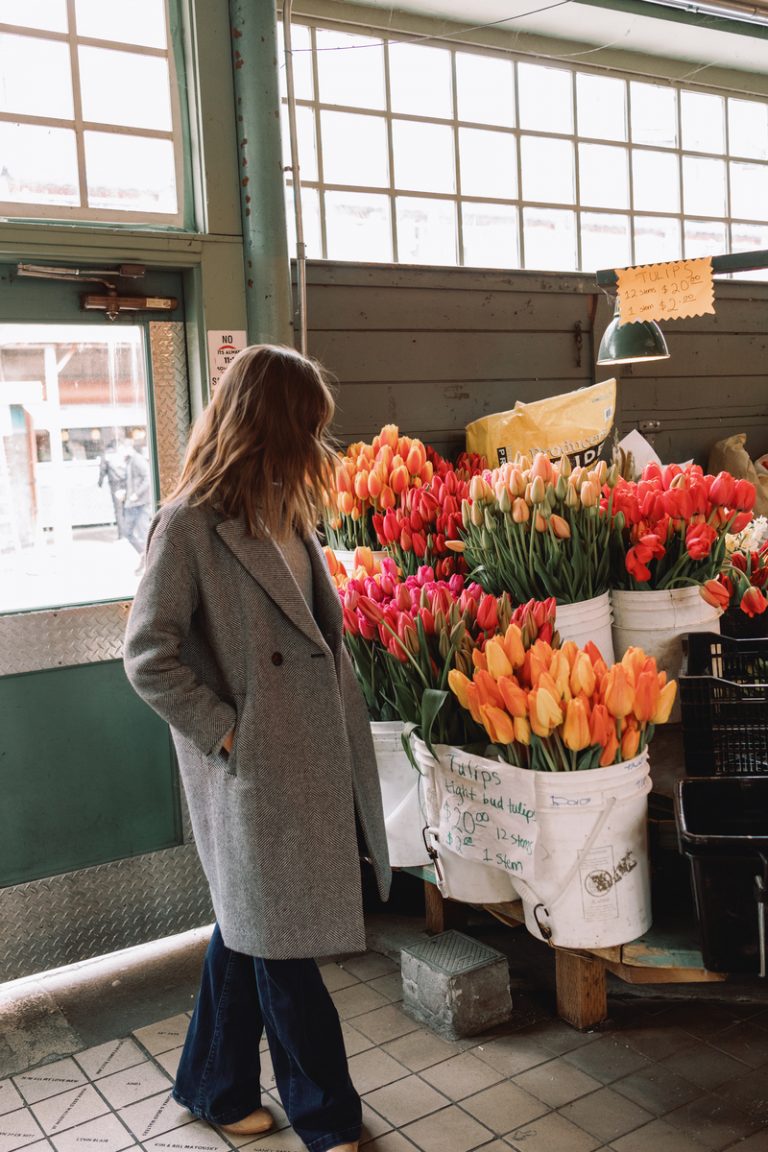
(627, 343)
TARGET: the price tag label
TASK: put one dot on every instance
(666, 291)
(222, 349)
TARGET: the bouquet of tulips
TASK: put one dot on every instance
(669, 528)
(742, 586)
(421, 529)
(370, 478)
(406, 635)
(563, 709)
(535, 529)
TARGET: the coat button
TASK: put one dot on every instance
(277, 658)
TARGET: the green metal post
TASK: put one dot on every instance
(262, 194)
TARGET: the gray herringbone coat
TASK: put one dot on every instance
(220, 635)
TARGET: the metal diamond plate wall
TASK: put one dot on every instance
(32, 641)
(67, 918)
(171, 394)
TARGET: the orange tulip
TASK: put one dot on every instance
(513, 645)
(387, 497)
(473, 703)
(610, 750)
(647, 692)
(544, 711)
(399, 479)
(363, 558)
(633, 661)
(496, 657)
(583, 677)
(416, 458)
(540, 523)
(374, 485)
(618, 693)
(576, 734)
(601, 725)
(478, 659)
(560, 527)
(560, 672)
(571, 650)
(513, 695)
(331, 560)
(486, 686)
(521, 513)
(630, 740)
(458, 684)
(346, 503)
(389, 436)
(522, 729)
(361, 485)
(664, 705)
(497, 724)
(542, 468)
(343, 479)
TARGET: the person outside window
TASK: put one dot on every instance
(138, 496)
(112, 469)
(235, 638)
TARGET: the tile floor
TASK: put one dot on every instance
(664, 1076)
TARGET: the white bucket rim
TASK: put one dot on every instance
(595, 605)
(651, 595)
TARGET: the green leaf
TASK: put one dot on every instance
(431, 703)
(405, 737)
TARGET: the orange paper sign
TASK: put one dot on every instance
(666, 291)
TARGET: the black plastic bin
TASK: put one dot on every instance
(722, 826)
(724, 705)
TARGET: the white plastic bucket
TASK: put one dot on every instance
(347, 558)
(588, 620)
(656, 620)
(591, 874)
(399, 782)
(458, 878)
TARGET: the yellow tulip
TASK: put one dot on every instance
(497, 724)
(544, 711)
(583, 677)
(522, 729)
(666, 700)
(633, 661)
(513, 645)
(458, 684)
(560, 672)
(576, 727)
(496, 657)
(570, 649)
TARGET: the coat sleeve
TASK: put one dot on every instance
(157, 627)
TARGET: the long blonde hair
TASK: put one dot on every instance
(261, 448)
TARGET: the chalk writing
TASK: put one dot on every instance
(665, 291)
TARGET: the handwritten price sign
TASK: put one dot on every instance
(666, 291)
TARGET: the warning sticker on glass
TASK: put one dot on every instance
(666, 291)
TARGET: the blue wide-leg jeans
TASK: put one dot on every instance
(218, 1075)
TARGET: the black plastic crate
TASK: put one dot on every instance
(723, 830)
(724, 705)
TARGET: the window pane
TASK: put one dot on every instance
(654, 114)
(67, 454)
(550, 239)
(547, 169)
(424, 159)
(488, 163)
(125, 88)
(350, 70)
(657, 239)
(546, 98)
(603, 176)
(420, 80)
(48, 14)
(749, 190)
(140, 22)
(305, 130)
(426, 231)
(601, 107)
(357, 226)
(490, 236)
(130, 173)
(703, 117)
(748, 129)
(703, 186)
(750, 238)
(302, 60)
(39, 165)
(310, 207)
(35, 77)
(486, 89)
(656, 186)
(604, 241)
(707, 238)
(354, 149)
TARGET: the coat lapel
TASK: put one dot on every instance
(263, 560)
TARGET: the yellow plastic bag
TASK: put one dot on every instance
(574, 424)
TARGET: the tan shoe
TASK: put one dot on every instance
(256, 1124)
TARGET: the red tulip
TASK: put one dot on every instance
(753, 602)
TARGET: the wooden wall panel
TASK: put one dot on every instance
(431, 349)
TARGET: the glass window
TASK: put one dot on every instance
(50, 15)
(704, 238)
(350, 69)
(39, 165)
(73, 438)
(424, 157)
(125, 88)
(603, 176)
(313, 235)
(703, 186)
(748, 129)
(657, 239)
(546, 98)
(23, 61)
(490, 235)
(547, 169)
(601, 106)
(703, 117)
(140, 22)
(550, 239)
(605, 241)
(488, 163)
(485, 89)
(354, 149)
(749, 190)
(305, 130)
(426, 230)
(656, 181)
(420, 80)
(654, 114)
(301, 43)
(358, 226)
(130, 173)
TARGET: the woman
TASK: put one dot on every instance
(235, 639)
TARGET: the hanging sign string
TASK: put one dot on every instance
(666, 291)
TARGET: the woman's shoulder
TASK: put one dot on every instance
(179, 520)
